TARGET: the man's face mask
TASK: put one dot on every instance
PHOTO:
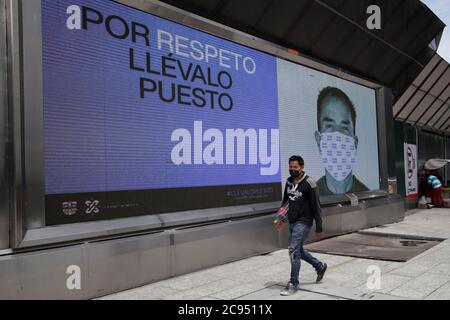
(294, 173)
(338, 154)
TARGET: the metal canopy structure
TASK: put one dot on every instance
(426, 103)
(335, 32)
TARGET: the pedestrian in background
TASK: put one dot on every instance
(435, 185)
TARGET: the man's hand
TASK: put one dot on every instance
(319, 235)
(279, 226)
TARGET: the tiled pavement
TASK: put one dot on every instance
(427, 276)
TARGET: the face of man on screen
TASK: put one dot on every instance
(336, 117)
(337, 140)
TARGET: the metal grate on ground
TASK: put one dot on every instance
(377, 246)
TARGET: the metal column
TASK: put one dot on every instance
(4, 190)
(388, 176)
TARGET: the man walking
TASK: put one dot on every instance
(304, 207)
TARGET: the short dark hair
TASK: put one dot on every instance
(298, 159)
(337, 93)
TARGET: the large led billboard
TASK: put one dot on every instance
(144, 116)
(332, 124)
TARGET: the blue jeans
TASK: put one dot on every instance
(298, 233)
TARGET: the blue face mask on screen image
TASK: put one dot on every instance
(338, 154)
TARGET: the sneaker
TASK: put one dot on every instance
(289, 290)
(321, 273)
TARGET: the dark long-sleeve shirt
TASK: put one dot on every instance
(304, 203)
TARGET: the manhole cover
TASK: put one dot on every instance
(375, 246)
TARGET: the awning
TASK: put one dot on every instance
(426, 103)
(335, 32)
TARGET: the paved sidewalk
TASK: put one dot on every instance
(427, 276)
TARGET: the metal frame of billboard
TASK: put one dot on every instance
(27, 211)
(4, 182)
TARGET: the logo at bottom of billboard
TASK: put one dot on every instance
(332, 124)
(146, 116)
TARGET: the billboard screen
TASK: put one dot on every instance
(145, 116)
(332, 124)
